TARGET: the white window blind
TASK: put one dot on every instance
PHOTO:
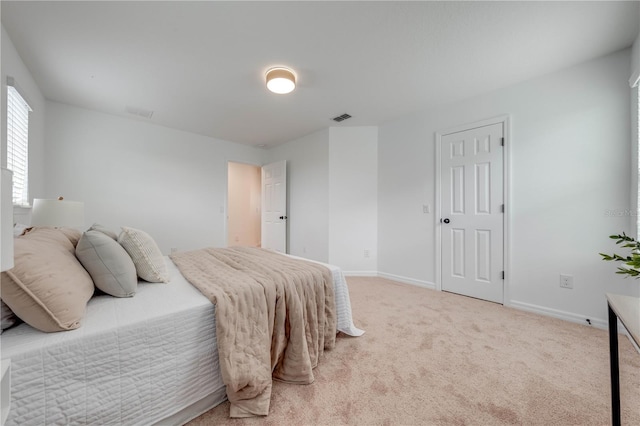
(18, 145)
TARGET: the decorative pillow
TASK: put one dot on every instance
(104, 230)
(47, 287)
(72, 234)
(145, 254)
(108, 263)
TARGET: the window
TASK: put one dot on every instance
(18, 144)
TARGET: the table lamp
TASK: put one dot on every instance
(69, 214)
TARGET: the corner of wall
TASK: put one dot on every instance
(353, 194)
(308, 193)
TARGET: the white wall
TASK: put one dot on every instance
(308, 194)
(128, 172)
(635, 54)
(570, 166)
(634, 72)
(11, 65)
(353, 195)
(332, 196)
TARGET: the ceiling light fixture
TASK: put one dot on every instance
(281, 80)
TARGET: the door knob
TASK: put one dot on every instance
(283, 217)
(446, 220)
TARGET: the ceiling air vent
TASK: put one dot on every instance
(341, 117)
(145, 113)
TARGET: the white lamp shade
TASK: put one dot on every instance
(6, 220)
(280, 80)
(69, 214)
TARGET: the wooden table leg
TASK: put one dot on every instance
(615, 369)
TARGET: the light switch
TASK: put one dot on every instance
(426, 208)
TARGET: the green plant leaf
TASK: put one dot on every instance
(631, 260)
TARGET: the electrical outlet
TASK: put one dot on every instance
(366, 253)
(174, 250)
(566, 281)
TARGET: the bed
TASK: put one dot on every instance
(144, 360)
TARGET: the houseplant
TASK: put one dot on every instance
(631, 261)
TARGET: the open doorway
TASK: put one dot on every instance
(244, 200)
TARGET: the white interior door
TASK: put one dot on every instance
(472, 222)
(274, 206)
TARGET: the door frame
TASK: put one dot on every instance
(505, 120)
(225, 205)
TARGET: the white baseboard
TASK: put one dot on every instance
(563, 315)
(360, 273)
(568, 316)
(536, 309)
(406, 280)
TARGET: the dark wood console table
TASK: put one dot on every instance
(627, 310)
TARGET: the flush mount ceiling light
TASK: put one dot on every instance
(281, 80)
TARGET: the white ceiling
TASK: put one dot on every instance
(200, 65)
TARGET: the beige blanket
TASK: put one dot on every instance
(274, 318)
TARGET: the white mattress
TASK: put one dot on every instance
(134, 361)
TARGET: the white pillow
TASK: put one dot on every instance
(104, 230)
(109, 265)
(145, 254)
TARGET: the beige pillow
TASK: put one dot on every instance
(145, 254)
(47, 288)
(108, 263)
(72, 234)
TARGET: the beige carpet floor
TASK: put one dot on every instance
(434, 358)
